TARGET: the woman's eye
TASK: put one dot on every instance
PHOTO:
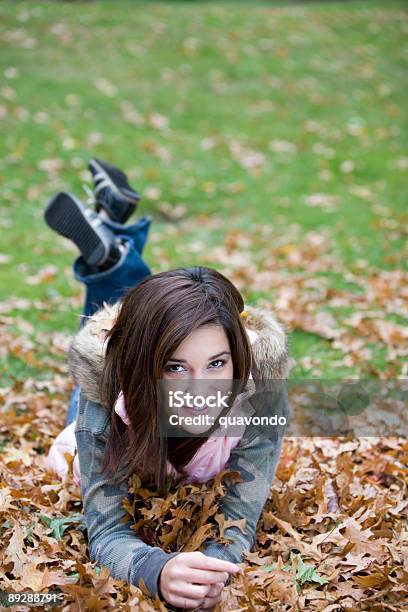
(218, 363)
(174, 368)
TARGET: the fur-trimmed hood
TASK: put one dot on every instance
(86, 355)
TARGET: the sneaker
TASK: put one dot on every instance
(66, 215)
(112, 191)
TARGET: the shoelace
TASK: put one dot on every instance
(91, 201)
(100, 182)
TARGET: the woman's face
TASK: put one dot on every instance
(200, 366)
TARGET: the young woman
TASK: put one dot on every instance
(182, 326)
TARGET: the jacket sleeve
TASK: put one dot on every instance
(255, 458)
(111, 541)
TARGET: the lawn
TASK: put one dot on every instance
(269, 140)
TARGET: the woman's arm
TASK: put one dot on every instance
(255, 458)
(111, 541)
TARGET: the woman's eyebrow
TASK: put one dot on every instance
(219, 355)
(209, 359)
(178, 360)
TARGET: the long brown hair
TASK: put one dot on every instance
(154, 318)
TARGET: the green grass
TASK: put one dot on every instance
(328, 78)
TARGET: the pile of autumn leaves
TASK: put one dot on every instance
(332, 535)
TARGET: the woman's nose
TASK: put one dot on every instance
(198, 385)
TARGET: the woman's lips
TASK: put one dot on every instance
(203, 410)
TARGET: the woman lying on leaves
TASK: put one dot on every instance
(187, 324)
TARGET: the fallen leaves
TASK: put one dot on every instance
(333, 533)
(296, 271)
(332, 530)
(185, 519)
(324, 201)
(251, 160)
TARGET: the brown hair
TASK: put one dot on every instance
(155, 317)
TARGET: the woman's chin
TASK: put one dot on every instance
(196, 430)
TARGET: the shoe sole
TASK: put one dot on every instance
(117, 190)
(65, 214)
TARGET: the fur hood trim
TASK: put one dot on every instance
(86, 355)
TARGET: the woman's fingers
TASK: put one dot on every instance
(209, 603)
(200, 561)
(215, 590)
(193, 591)
(207, 576)
(185, 602)
(213, 597)
(189, 579)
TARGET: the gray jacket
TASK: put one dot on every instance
(111, 541)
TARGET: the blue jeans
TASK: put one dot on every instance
(112, 284)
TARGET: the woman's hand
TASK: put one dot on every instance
(212, 598)
(193, 580)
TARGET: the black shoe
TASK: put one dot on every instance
(68, 216)
(112, 191)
